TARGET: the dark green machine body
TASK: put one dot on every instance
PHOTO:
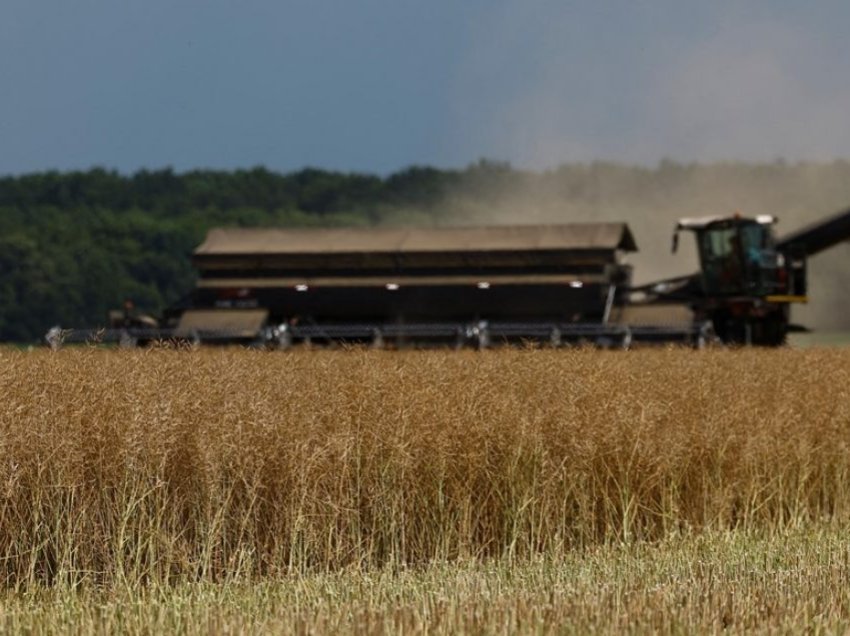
(747, 280)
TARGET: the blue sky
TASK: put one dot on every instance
(377, 85)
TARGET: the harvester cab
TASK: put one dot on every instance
(738, 257)
(746, 280)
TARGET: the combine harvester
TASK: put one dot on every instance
(553, 284)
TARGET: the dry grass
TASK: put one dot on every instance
(172, 467)
(793, 581)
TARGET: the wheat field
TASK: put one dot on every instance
(196, 478)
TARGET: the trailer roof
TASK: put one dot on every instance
(574, 236)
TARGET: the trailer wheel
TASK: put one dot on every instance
(771, 331)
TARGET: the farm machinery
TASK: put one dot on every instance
(555, 284)
(748, 279)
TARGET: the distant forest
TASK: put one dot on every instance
(73, 245)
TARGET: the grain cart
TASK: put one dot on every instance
(555, 284)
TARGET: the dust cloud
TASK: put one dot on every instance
(651, 200)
